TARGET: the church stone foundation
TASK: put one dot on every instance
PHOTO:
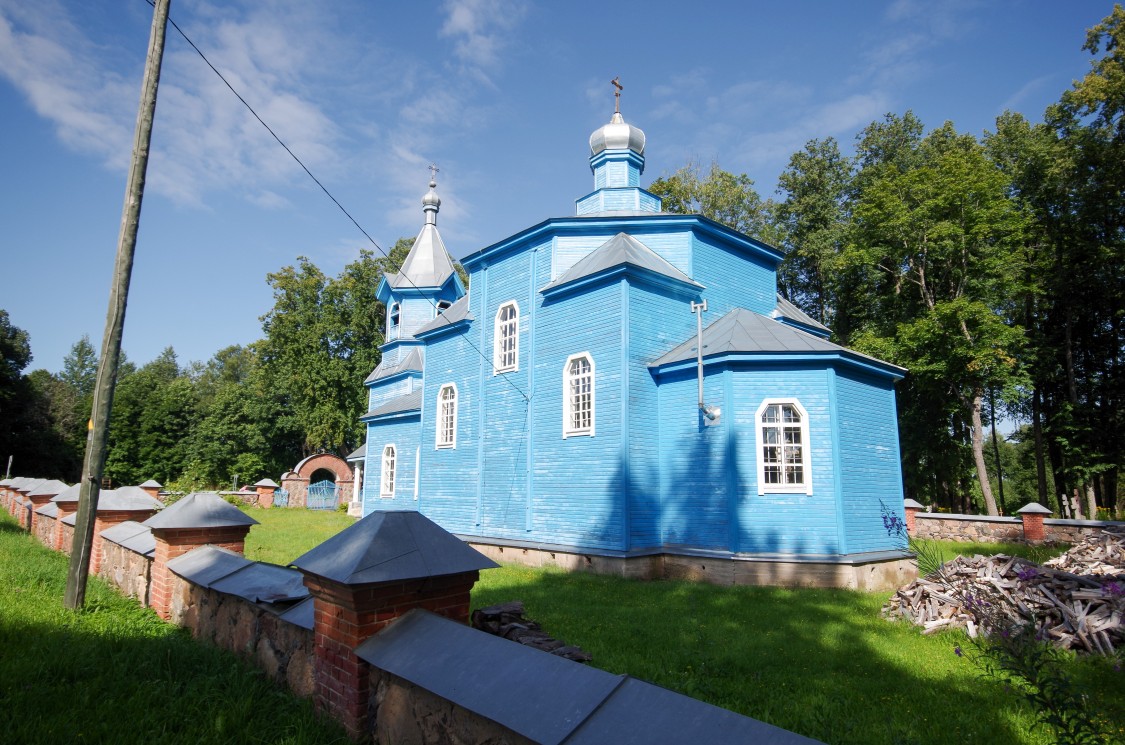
(880, 572)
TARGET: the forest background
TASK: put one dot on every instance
(991, 267)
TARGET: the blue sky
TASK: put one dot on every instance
(501, 94)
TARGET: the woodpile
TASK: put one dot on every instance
(1076, 601)
(507, 620)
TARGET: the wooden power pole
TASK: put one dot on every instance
(94, 462)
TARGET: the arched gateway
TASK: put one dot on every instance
(319, 481)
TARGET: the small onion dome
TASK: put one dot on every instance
(617, 135)
(431, 199)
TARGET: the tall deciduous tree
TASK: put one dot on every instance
(721, 196)
(939, 231)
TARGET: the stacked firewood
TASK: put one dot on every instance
(1070, 607)
(506, 620)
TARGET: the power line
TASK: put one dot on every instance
(327, 193)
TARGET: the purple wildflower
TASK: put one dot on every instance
(1113, 589)
(1028, 573)
(957, 650)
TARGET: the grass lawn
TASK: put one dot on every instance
(285, 534)
(115, 673)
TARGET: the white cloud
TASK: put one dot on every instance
(481, 29)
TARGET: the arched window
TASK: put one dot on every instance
(506, 339)
(578, 395)
(387, 484)
(447, 417)
(783, 447)
(393, 315)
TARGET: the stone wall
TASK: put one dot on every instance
(281, 649)
(45, 530)
(127, 570)
(984, 529)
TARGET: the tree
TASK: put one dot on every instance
(720, 196)
(814, 217)
(938, 230)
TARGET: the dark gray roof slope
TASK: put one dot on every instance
(388, 546)
(743, 330)
(200, 510)
(411, 363)
(459, 311)
(786, 309)
(48, 510)
(69, 494)
(231, 573)
(358, 454)
(407, 402)
(128, 498)
(50, 487)
(300, 614)
(559, 701)
(152, 484)
(133, 536)
(618, 250)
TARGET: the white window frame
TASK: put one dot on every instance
(803, 448)
(393, 312)
(568, 381)
(388, 472)
(506, 330)
(445, 436)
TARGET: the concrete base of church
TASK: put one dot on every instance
(879, 571)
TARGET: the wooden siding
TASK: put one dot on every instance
(448, 477)
(733, 279)
(869, 460)
(403, 434)
(382, 393)
(657, 323)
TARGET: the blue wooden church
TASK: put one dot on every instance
(625, 391)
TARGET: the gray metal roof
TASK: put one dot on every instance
(388, 546)
(559, 701)
(152, 484)
(428, 263)
(406, 402)
(268, 482)
(48, 510)
(70, 519)
(358, 454)
(459, 311)
(264, 583)
(50, 487)
(30, 485)
(69, 494)
(411, 363)
(133, 536)
(620, 249)
(5, 482)
(126, 499)
(208, 564)
(300, 614)
(743, 330)
(200, 510)
(786, 309)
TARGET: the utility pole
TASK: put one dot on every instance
(94, 462)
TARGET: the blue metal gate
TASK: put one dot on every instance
(281, 498)
(323, 495)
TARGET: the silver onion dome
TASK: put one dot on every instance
(617, 135)
(431, 198)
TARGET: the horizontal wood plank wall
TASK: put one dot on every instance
(870, 469)
(733, 278)
(403, 434)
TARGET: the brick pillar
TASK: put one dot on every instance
(347, 615)
(1032, 515)
(106, 519)
(152, 488)
(912, 508)
(65, 509)
(173, 542)
(265, 495)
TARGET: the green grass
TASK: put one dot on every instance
(949, 550)
(115, 673)
(819, 662)
(285, 534)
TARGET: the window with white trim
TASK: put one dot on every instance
(387, 483)
(393, 315)
(506, 338)
(447, 417)
(578, 395)
(783, 447)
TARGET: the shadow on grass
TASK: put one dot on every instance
(822, 663)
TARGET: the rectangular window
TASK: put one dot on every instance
(387, 485)
(505, 353)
